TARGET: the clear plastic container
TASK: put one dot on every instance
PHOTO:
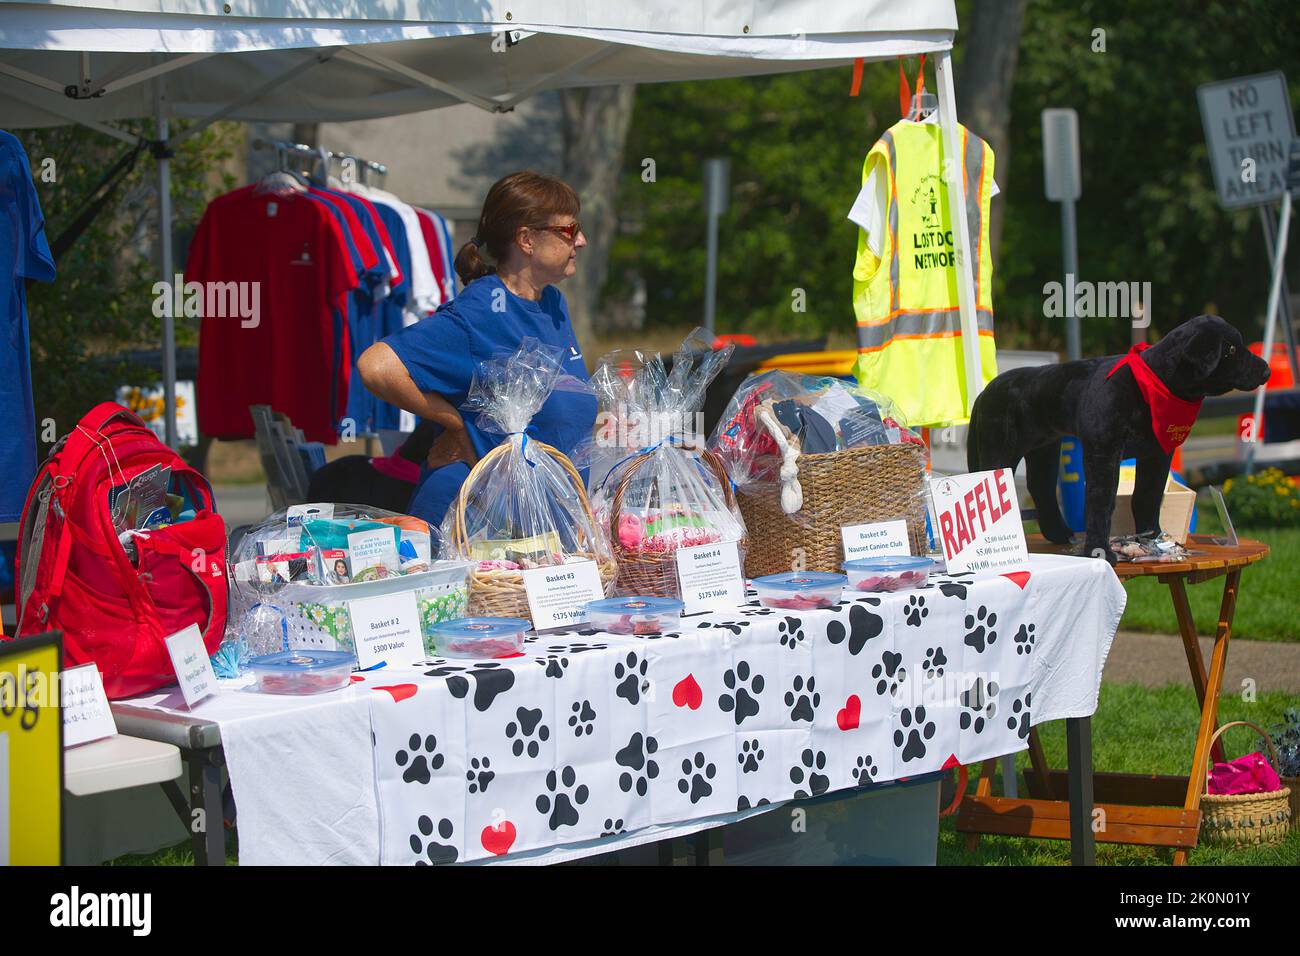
(888, 573)
(302, 672)
(800, 590)
(634, 615)
(480, 637)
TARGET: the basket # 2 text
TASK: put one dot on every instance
(978, 520)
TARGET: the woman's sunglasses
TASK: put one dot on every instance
(569, 232)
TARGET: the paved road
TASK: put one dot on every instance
(1159, 659)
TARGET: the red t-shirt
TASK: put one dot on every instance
(365, 248)
(284, 355)
(434, 243)
(390, 250)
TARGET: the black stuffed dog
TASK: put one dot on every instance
(1139, 405)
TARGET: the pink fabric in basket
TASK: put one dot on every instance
(1248, 774)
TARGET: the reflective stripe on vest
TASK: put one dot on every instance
(907, 313)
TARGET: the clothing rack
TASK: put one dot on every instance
(283, 149)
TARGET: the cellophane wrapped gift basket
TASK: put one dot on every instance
(810, 455)
(524, 505)
(656, 487)
(295, 574)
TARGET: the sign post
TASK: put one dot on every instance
(1249, 131)
(1063, 183)
(716, 177)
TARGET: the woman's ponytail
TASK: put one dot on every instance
(470, 264)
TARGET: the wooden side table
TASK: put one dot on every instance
(1141, 809)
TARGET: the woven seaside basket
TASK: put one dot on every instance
(501, 593)
(854, 486)
(1245, 819)
(655, 574)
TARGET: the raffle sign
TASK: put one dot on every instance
(978, 520)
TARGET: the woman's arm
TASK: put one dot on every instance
(383, 373)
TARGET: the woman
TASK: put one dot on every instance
(529, 230)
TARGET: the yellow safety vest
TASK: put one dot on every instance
(909, 325)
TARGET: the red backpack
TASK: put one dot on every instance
(74, 575)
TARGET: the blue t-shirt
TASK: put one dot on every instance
(442, 351)
(24, 254)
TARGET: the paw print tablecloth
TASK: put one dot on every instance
(588, 735)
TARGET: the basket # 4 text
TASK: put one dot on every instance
(978, 518)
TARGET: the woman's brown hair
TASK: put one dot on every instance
(525, 198)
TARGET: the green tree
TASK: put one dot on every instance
(102, 301)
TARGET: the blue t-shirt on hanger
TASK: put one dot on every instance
(442, 351)
(24, 254)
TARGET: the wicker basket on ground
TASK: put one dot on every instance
(1245, 819)
(501, 593)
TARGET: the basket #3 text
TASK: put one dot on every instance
(978, 519)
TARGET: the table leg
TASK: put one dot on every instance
(1191, 646)
(1210, 707)
(1078, 742)
(708, 847)
(983, 788)
(1039, 785)
(207, 829)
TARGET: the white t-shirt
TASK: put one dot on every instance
(869, 208)
(425, 292)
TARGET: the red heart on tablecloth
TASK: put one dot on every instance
(848, 715)
(400, 692)
(952, 761)
(498, 839)
(1021, 578)
(687, 693)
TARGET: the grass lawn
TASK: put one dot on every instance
(1267, 603)
(1135, 730)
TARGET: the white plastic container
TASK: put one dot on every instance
(888, 573)
(302, 672)
(800, 590)
(635, 615)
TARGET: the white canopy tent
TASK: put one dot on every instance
(278, 60)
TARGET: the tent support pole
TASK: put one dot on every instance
(385, 65)
(168, 271)
(952, 175)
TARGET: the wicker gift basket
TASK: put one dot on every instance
(663, 491)
(523, 505)
(795, 501)
(1245, 819)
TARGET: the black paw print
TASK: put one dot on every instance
(952, 588)
(916, 611)
(613, 827)
(430, 851)
(526, 730)
(979, 627)
(742, 692)
(636, 756)
(863, 626)
(555, 664)
(980, 703)
(744, 804)
(583, 718)
(479, 774)
(865, 770)
(562, 798)
(751, 754)
(696, 776)
(1019, 719)
(889, 674)
(791, 631)
(916, 730)
(933, 663)
(812, 762)
(802, 698)
(1025, 639)
(490, 681)
(631, 678)
(735, 627)
(577, 648)
(426, 758)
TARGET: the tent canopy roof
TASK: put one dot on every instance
(356, 59)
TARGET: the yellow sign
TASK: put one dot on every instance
(31, 752)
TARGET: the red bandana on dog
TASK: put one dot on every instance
(1171, 417)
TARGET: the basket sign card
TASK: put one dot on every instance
(558, 595)
(386, 629)
(710, 577)
(978, 518)
(875, 540)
